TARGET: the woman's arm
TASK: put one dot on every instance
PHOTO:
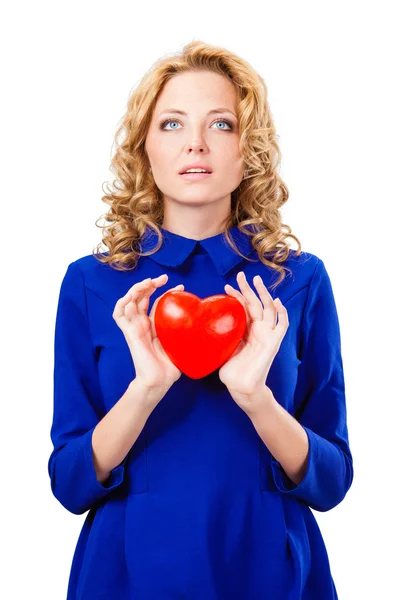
(324, 473)
(90, 449)
(284, 437)
(119, 429)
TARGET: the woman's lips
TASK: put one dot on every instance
(195, 176)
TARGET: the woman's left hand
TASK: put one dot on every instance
(245, 372)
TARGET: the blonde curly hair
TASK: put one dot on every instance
(135, 201)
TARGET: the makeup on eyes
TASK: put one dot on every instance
(163, 123)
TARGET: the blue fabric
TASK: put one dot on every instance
(199, 509)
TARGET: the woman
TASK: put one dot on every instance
(199, 488)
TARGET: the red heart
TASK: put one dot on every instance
(199, 335)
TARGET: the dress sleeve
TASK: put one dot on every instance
(321, 403)
(77, 397)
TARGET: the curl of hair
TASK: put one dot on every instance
(136, 202)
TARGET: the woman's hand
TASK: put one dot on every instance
(245, 372)
(152, 365)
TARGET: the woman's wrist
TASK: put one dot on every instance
(147, 395)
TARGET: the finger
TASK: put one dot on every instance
(269, 308)
(283, 317)
(254, 305)
(153, 308)
(231, 291)
(119, 309)
(142, 286)
(136, 308)
(142, 302)
(132, 295)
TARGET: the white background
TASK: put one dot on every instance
(332, 77)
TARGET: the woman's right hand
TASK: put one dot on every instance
(152, 365)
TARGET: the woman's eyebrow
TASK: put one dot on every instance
(210, 112)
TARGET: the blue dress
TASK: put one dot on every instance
(199, 509)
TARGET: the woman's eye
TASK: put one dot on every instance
(169, 121)
(223, 121)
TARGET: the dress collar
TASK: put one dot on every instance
(176, 248)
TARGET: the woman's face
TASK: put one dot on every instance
(196, 136)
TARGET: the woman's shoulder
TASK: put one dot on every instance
(92, 267)
(90, 262)
(106, 282)
(303, 259)
(302, 267)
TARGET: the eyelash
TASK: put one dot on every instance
(162, 125)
